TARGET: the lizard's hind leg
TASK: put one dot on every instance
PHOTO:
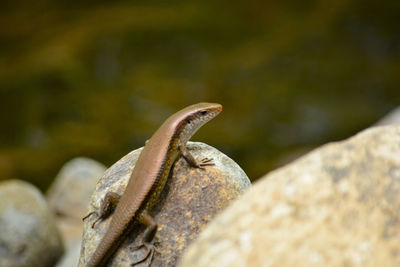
(148, 237)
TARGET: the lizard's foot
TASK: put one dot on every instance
(206, 162)
(108, 203)
(90, 214)
(149, 254)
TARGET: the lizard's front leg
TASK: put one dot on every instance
(108, 204)
(192, 161)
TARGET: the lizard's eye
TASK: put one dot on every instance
(203, 112)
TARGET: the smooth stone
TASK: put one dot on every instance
(68, 197)
(69, 194)
(29, 235)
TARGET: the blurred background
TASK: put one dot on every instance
(97, 78)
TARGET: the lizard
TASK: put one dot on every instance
(148, 179)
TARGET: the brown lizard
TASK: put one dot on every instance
(148, 179)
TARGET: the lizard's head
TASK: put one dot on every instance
(196, 115)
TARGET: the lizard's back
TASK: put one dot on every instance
(148, 169)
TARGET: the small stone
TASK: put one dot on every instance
(68, 198)
(28, 233)
(191, 198)
(71, 256)
(69, 194)
(336, 206)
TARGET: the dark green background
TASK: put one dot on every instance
(97, 78)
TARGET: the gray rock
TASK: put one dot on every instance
(71, 230)
(192, 197)
(337, 206)
(68, 198)
(28, 233)
(70, 192)
(71, 256)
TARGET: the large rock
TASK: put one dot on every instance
(337, 206)
(28, 234)
(192, 197)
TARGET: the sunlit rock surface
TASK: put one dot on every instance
(336, 206)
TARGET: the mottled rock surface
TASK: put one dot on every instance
(28, 233)
(336, 206)
(192, 197)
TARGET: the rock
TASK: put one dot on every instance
(190, 199)
(337, 206)
(71, 256)
(68, 198)
(71, 230)
(392, 117)
(29, 236)
(70, 192)
(69, 195)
